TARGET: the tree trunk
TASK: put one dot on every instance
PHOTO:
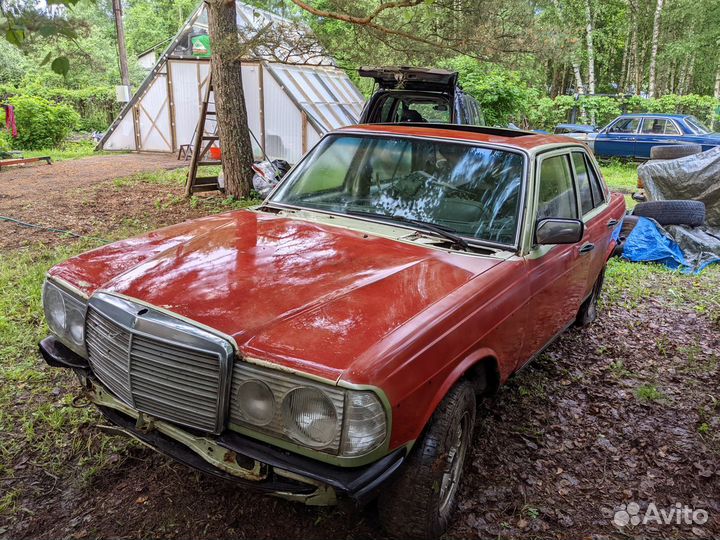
(717, 82)
(625, 57)
(590, 47)
(237, 154)
(579, 86)
(652, 83)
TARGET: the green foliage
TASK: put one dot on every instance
(41, 123)
(620, 176)
(95, 104)
(502, 93)
(546, 113)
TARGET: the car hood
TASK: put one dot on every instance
(298, 293)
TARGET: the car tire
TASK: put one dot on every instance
(673, 212)
(588, 311)
(628, 224)
(421, 499)
(674, 151)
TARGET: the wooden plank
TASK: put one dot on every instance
(171, 105)
(261, 83)
(304, 134)
(22, 161)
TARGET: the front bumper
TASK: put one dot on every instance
(231, 456)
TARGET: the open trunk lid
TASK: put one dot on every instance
(411, 78)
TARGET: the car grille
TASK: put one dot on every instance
(174, 382)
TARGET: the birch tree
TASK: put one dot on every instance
(590, 47)
(652, 84)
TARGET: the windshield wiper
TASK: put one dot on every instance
(440, 230)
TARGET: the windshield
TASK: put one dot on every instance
(473, 191)
(697, 126)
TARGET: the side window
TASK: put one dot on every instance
(582, 179)
(556, 197)
(626, 125)
(653, 126)
(598, 192)
(671, 128)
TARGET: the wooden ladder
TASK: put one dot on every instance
(201, 145)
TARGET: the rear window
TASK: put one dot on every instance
(415, 108)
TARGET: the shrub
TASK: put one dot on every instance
(40, 123)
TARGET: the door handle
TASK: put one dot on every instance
(586, 248)
(612, 223)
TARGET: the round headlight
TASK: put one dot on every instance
(55, 309)
(76, 326)
(256, 401)
(310, 417)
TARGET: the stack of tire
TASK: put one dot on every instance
(672, 212)
(672, 151)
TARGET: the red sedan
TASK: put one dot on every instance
(331, 342)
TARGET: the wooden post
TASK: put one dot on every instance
(261, 83)
(171, 106)
(122, 51)
(304, 137)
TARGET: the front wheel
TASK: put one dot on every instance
(589, 309)
(421, 500)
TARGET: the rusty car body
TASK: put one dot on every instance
(331, 341)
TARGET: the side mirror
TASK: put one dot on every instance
(559, 231)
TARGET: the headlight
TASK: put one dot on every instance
(65, 315)
(310, 417)
(328, 418)
(256, 401)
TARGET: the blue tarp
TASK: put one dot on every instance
(648, 242)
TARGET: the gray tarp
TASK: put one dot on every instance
(694, 177)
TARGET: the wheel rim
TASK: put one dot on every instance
(454, 464)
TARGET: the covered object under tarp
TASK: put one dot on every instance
(294, 93)
(695, 177)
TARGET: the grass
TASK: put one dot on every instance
(68, 150)
(635, 282)
(41, 427)
(649, 393)
(620, 175)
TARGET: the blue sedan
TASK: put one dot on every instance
(633, 135)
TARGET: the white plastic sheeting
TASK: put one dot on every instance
(154, 117)
(289, 106)
(325, 94)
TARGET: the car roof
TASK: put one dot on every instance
(523, 140)
(655, 115)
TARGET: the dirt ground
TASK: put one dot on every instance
(65, 195)
(556, 453)
(623, 411)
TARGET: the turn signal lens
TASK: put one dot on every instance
(365, 423)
